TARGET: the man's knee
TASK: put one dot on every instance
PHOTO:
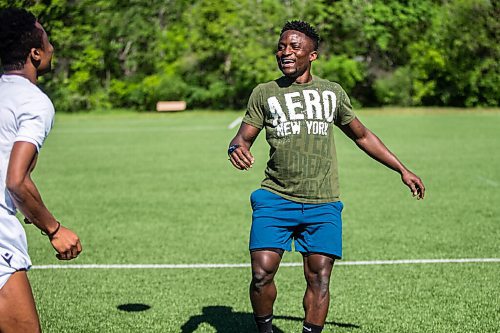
(264, 267)
(319, 281)
(261, 278)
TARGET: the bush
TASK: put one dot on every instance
(395, 88)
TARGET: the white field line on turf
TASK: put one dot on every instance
(488, 181)
(285, 264)
(235, 123)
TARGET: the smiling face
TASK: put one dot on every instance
(295, 54)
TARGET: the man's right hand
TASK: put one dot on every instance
(66, 243)
(242, 158)
(239, 153)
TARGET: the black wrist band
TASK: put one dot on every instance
(232, 148)
(52, 234)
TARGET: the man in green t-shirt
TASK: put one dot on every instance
(299, 196)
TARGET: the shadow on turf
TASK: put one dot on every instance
(133, 307)
(224, 320)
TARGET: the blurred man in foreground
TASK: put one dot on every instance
(26, 117)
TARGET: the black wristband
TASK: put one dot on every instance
(232, 148)
(52, 234)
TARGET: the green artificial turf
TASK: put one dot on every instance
(158, 189)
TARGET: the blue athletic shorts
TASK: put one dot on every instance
(315, 228)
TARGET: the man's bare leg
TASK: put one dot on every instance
(17, 306)
(262, 288)
(317, 271)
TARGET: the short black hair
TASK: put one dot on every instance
(18, 35)
(305, 28)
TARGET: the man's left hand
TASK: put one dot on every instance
(415, 184)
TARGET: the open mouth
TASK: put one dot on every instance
(287, 62)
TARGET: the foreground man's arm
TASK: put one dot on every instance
(28, 200)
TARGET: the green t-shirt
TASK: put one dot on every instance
(299, 119)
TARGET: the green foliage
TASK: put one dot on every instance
(395, 88)
(212, 53)
(468, 31)
(339, 68)
(425, 67)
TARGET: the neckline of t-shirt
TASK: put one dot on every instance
(313, 79)
(15, 77)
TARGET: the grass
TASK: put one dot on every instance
(157, 188)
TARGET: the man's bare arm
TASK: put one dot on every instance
(375, 148)
(240, 156)
(28, 200)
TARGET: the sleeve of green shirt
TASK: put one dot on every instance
(255, 109)
(345, 113)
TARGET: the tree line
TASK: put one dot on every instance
(211, 53)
